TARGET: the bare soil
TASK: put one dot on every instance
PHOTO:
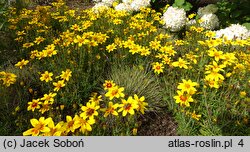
(158, 124)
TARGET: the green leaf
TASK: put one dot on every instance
(174, 5)
(179, 2)
(1, 26)
(187, 6)
(247, 25)
(236, 14)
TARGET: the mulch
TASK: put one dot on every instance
(158, 124)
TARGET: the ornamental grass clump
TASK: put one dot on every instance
(87, 72)
(138, 81)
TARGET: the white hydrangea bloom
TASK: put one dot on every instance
(137, 4)
(99, 7)
(234, 31)
(209, 21)
(191, 22)
(127, 1)
(174, 18)
(108, 2)
(123, 7)
(211, 8)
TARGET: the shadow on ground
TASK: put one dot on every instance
(158, 124)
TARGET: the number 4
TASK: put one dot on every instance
(241, 143)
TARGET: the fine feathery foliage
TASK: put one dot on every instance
(139, 81)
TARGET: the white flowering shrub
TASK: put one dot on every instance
(127, 1)
(138, 4)
(124, 7)
(191, 22)
(207, 17)
(174, 19)
(211, 8)
(234, 31)
(209, 21)
(99, 7)
(127, 5)
(108, 2)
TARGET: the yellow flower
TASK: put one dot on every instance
(166, 59)
(128, 43)
(228, 74)
(95, 98)
(81, 40)
(215, 67)
(55, 130)
(27, 45)
(216, 54)
(20, 33)
(183, 99)
(98, 57)
(190, 16)
(117, 21)
(41, 55)
(110, 110)
(134, 132)
(213, 75)
(199, 29)
(50, 50)
(70, 124)
(84, 124)
(180, 63)
(45, 107)
(7, 78)
(144, 51)
(155, 44)
(169, 50)
(141, 104)
(39, 126)
(241, 43)
(195, 116)
(212, 43)
(22, 63)
(58, 85)
(35, 104)
(49, 97)
(115, 92)
(229, 58)
(128, 106)
(188, 86)
(213, 83)
(108, 84)
(39, 39)
(111, 47)
(90, 110)
(210, 34)
(75, 27)
(66, 74)
(158, 67)
(179, 42)
(33, 54)
(243, 93)
(46, 76)
(192, 57)
(135, 49)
